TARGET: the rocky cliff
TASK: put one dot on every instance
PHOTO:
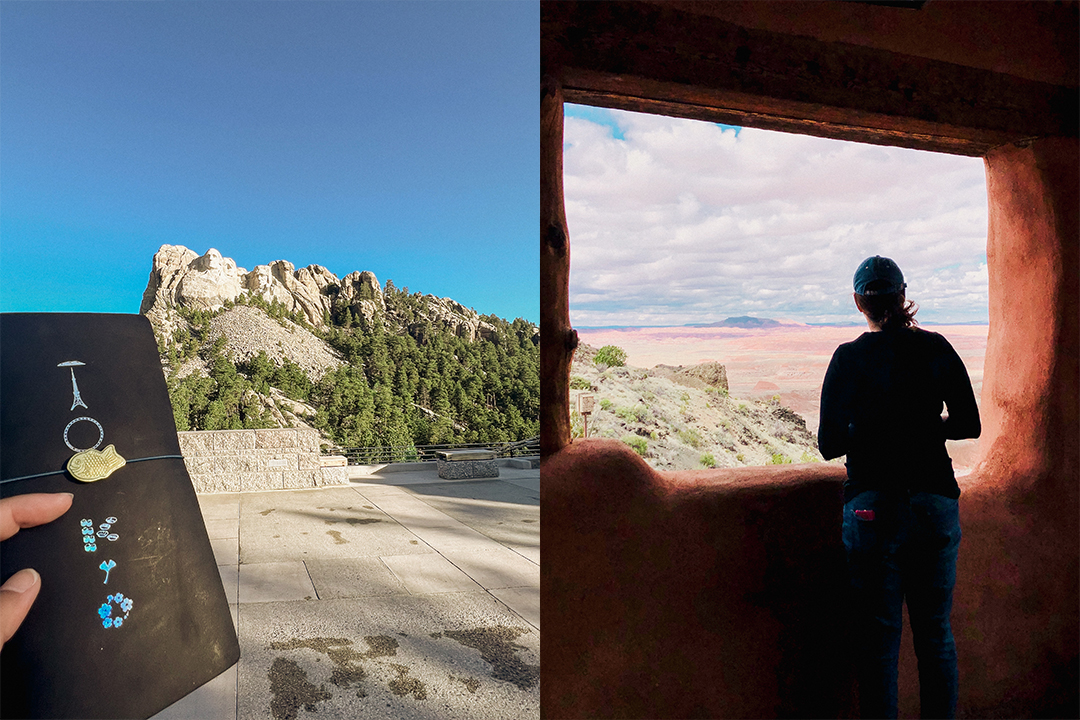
(682, 418)
(180, 278)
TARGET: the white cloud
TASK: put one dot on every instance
(682, 221)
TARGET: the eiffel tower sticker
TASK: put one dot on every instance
(76, 400)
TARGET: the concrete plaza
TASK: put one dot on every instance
(399, 596)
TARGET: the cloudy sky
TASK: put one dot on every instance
(400, 138)
(677, 221)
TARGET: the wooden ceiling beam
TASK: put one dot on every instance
(642, 57)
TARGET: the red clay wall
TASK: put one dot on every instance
(718, 593)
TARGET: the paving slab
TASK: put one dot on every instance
(505, 513)
(216, 699)
(296, 525)
(430, 590)
(407, 509)
(226, 550)
(223, 527)
(429, 574)
(460, 655)
(532, 552)
(495, 566)
(224, 505)
(274, 582)
(353, 578)
(230, 580)
(525, 601)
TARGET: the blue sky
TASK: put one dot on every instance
(677, 221)
(397, 137)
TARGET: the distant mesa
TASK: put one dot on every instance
(766, 385)
(743, 321)
(181, 278)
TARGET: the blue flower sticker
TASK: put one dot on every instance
(87, 531)
(89, 548)
(106, 610)
(86, 523)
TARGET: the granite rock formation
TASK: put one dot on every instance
(182, 278)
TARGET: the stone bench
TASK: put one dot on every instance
(333, 461)
(467, 464)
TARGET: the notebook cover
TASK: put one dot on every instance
(132, 614)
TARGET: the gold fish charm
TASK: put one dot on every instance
(93, 465)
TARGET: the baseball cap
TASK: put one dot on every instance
(878, 276)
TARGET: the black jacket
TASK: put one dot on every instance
(881, 405)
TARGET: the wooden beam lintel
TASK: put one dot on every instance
(857, 127)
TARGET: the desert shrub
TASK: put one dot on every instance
(779, 459)
(606, 404)
(579, 383)
(740, 457)
(625, 413)
(807, 457)
(691, 437)
(577, 424)
(742, 407)
(642, 414)
(640, 444)
(708, 460)
(610, 355)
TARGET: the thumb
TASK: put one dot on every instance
(16, 597)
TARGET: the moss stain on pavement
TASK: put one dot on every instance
(404, 685)
(497, 649)
(347, 671)
(471, 683)
(291, 688)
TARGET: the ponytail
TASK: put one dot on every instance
(890, 311)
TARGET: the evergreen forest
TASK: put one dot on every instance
(405, 381)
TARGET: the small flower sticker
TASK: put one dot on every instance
(90, 548)
(106, 610)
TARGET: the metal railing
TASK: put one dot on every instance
(386, 454)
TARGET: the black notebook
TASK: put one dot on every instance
(131, 615)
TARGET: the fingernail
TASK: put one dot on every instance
(70, 495)
(22, 581)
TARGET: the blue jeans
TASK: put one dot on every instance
(903, 546)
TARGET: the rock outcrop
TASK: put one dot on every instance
(676, 419)
(703, 375)
(182, 278)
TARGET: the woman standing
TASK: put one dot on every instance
(881, 406)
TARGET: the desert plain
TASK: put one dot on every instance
(788, 360)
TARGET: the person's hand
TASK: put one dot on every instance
(21, 589)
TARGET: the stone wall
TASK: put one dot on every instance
(244, 460)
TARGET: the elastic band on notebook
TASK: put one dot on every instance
(62, 472)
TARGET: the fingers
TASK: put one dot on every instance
(23, 511)
(16, 597)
